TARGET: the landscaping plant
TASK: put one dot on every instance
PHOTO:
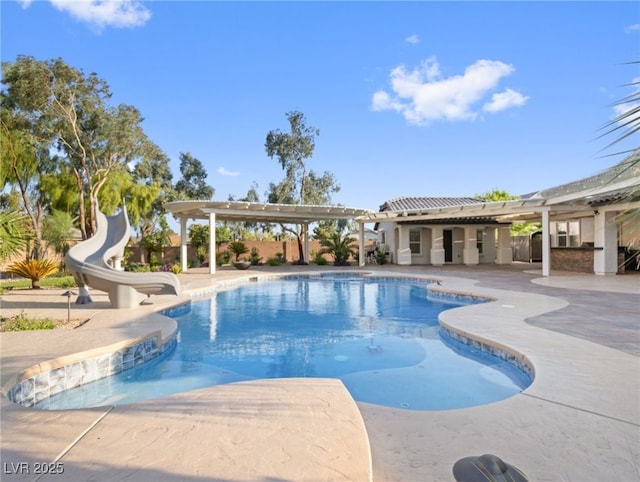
(33, 269)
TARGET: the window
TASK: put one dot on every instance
(574, 234)
(568, 234)
(561, 233)
(415, 241)
(479, 240)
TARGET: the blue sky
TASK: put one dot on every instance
(411, 99)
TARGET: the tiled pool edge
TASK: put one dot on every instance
(50, 377)
(54, 376)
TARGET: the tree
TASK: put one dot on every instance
(57, 231)
(339, 247)
(240, 230)
(501, 195)
(292, 149)
(192, 185)
(496, 195)
(150, 188)
(25, 162)
(155, 242)
(14, 234)
(300, 185)
(69, 111)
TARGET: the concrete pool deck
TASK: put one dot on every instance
(578, 421)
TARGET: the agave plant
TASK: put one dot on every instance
(33, 269)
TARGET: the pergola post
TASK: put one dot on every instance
(546, 242)
(361, 253)
(183, 243)
(305, 233)
(605, 256)
(212, 243)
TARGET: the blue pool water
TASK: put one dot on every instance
(379, 336)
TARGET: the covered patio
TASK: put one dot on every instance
(604, 199)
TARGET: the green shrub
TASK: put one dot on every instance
(254, 256)
(318, 258)
(176, 268)
(139, 267)
(22, 322)
(223, 258)
(381, 255)
(273, 262)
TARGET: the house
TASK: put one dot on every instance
(411, 238)
(590, 225)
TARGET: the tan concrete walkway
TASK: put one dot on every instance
(578, 421)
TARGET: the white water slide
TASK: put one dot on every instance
(92, 264)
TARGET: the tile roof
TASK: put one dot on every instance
(629, 168)
(417, 203)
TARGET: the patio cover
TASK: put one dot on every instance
(613, 190)
(251, 212)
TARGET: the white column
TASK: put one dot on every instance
(183, 243)
(605, 256)
(489, 245)
(306, 243)
(546, 243)
(361, 254)
(437, 246)
(212, 243)
(505, 254)
(470, 253)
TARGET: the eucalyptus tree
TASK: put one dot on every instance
(192, 185)
(71, 112)
(24, 161)
(300, 184)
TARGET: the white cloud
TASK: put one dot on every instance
(412, 39)
(424, 94)
(103, 13)
(224, 172)
(632, 28)
(505, 100)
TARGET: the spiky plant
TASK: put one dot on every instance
(33, 269)
(339, 247)
(14, 233)
(238, 248)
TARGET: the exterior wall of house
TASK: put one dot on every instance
(464, 246)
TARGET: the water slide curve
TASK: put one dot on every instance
(89, 261)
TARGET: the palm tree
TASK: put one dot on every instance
(339, 247)
(14, 234)
(238, 248)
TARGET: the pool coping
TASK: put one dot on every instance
(579, 386)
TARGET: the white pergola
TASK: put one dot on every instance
(213, 211)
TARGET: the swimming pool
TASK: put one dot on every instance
(380, 336)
